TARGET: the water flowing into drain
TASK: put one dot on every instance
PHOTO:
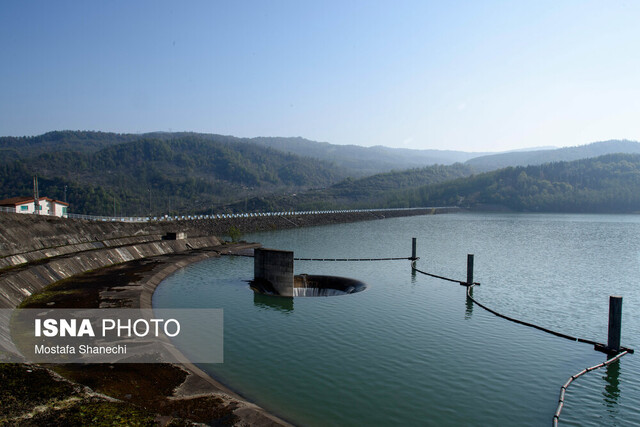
(317, 292)
(305, 285)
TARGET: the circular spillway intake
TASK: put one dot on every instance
(308, 285)
(305, 285)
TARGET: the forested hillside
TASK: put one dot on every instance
(161, 176)
(359, 161)
(162, 173)
(369, 192)
(609, 183)
(364, 161)
(12, 148)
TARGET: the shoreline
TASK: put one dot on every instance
(146, 302)
(170, 391)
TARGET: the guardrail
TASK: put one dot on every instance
(110, 218)
(167, 218)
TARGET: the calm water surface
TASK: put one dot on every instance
(410, 350)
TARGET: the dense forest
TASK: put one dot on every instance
(161, 176)
(609, 183)
(360, 161)
(13, 148)
(365, 161)
(368, 192)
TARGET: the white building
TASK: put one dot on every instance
(46, 206)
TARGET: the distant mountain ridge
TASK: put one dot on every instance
(364, 161)
(359, 193)
(538, 157)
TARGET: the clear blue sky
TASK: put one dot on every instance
(471, 75)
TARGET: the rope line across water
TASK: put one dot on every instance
(511, 319)
(442, 277)
(563, 389)
(339, 259)
(540, 328)
(521, 322)
(351, 259)
(556, 416)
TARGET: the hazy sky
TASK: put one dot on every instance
(474, 76)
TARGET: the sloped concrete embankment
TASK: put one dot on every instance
(26, 233)
(19, 283)
(29, 238)
(40, 254)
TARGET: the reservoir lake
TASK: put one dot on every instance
(410, 349)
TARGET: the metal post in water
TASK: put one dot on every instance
(615, 323)
(413, 249)
(413, 258)
(469, 269)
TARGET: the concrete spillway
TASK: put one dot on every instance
(273, 275)
(325, 286)
(306, 285)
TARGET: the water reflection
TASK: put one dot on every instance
(469, 310)
(273, 302)
(612, 388)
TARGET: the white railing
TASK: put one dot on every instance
(111, 218)
(221, 216)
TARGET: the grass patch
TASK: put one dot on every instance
(139, 383)
(83, 290)
(147, 386)
(207, 409)
(95, 412)
(24, 386)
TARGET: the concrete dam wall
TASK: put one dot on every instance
(273, 275)
(18, 283)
